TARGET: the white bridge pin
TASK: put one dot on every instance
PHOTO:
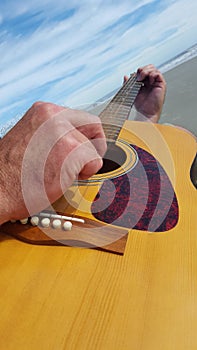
(67, 225)
(24, 221)
(34, 220)
(45, 222)
(56, 223)
(61, 217)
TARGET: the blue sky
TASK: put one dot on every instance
(75, 52)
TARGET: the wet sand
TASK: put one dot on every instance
(180, 106)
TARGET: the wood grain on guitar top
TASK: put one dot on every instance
(68, 298)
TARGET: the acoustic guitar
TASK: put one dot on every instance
(142, 206)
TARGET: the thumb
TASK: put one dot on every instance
(90, 168)
(125, 79)
(81, 163)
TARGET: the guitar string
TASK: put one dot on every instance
(131, 83)
(118, 100)
(132, 86)
(123, 102)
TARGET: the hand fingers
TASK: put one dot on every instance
(89, 125)
(151, 73)
(81, 162)
(90, 168)
(148, 74)
(77, 118)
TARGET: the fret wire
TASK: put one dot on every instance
(116, 107)
(118, 112)
(119, 108)
(133, 87)
(123, 99)
(112, 135)
(130, 82)
(111, 119)
(128, 89)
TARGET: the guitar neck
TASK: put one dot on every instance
(118, 110)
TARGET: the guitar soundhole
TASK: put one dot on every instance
(113, 159)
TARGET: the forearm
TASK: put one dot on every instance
(153, 118)
(7, 183)
(4, 212)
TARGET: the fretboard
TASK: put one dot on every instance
(118, 110)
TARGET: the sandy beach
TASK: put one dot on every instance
(180, 106)
(181, 101)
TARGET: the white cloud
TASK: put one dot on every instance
(49, 43)
(42, 61)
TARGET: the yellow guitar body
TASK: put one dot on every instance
(57, 297)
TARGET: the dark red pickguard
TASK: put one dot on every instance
(142, 199)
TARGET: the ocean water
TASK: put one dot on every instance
(167, 66)
(179, 59)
